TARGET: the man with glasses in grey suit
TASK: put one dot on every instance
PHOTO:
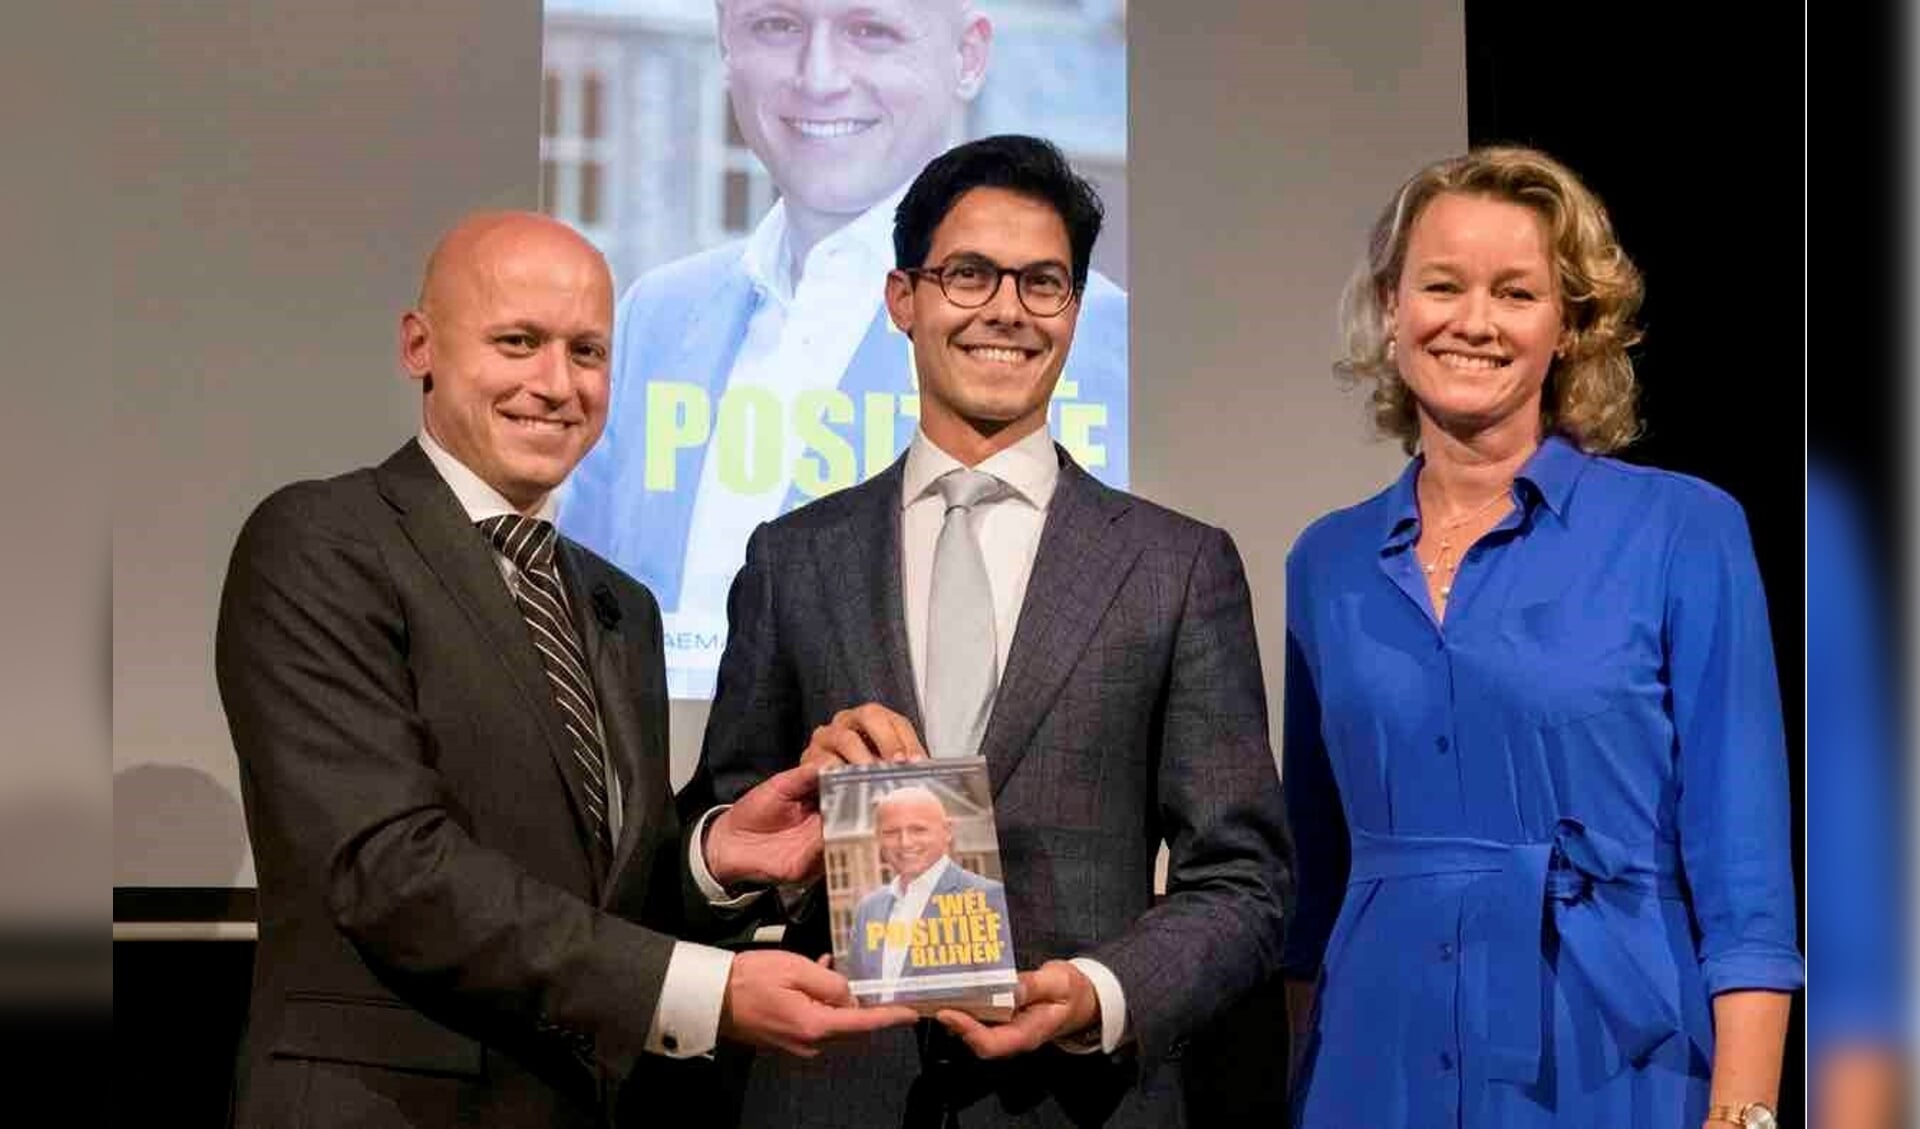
(1098, 650)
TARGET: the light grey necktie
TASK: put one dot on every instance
(962, 661)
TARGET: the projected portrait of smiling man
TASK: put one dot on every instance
(845, 101)
(764, 373)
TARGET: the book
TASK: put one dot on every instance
(914, 889)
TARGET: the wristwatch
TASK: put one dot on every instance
(1753, 1115)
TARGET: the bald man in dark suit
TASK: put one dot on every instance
(451, 725)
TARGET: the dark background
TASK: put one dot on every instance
(1690, 127)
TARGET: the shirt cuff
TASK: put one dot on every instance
(710, 887)
(1113, 1012)
(686, 1021)
(1777, 970)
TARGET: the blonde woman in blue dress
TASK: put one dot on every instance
(1533, 750)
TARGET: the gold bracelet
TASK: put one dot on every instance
(1753, 1115)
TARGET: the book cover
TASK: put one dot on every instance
(919, 914)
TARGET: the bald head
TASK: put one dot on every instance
(511, 341)
(955, 8)
(483, 240)
(912, 827)
(910, 795)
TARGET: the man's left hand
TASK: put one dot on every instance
(771, 835)
(1052, 1002)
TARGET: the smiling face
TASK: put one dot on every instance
(511, 341)
(845, 100)
(1476, 316)
(986, 374)
(913, 831)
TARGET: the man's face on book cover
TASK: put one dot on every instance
(914, 832)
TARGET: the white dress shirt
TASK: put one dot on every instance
(686, 1020)
(1008, 527)
(909, 902)
(802, 336)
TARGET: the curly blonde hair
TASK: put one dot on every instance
(1590, 393)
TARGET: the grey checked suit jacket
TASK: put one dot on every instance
(437, 943)
(1131, 710)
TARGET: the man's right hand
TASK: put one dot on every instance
(785, 1001)
(869, 734)
(771, 834)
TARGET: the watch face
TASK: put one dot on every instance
(1758, 1117)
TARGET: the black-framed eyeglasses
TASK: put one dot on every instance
(971, 281)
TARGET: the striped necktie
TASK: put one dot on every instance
(528, 543)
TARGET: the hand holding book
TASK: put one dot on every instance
(785, 1001)
(867, 734)
(772, 835)
(1055, 1001)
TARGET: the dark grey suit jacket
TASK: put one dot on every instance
(437, 946)
(1131, 710)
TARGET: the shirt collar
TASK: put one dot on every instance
(480, 500)
(929, 878)
(769, 264)
(1031, 467)
(1552, 470)
(1548, 476)
(1403, 508)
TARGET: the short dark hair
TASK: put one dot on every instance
(1013, 161)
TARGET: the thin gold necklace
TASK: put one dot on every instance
(1445, 560)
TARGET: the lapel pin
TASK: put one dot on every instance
(606, 609)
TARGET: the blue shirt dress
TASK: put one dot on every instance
(1534, 840)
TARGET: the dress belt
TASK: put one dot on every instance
(1537, 888)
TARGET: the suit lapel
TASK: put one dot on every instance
(707, 350)
(459, 555)
(860, 557)
(878, 367)
(950, 882)
(1083, 556)
(619, 687)
(880, 364)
